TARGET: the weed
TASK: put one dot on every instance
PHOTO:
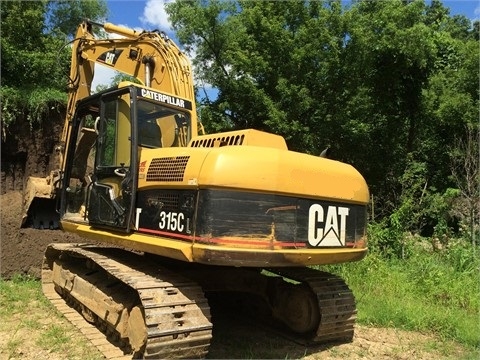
(434, 292)
(13, 344)
(54, 337)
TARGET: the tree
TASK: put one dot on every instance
(465, 167)
(273, 63)
(387, 84)
(34, 58)
(31, 74)
(64, 16)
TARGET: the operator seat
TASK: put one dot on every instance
(149, 134)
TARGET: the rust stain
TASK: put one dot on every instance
(282, 208)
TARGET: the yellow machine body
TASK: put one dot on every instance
(198, 213)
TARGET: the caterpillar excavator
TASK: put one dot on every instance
(171, 215)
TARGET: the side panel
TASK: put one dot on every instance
(250, 220)
(167, 213)
(268, 221)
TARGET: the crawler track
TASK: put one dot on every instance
(175, 312)
(315, 308)
(336, 304)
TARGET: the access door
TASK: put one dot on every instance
(114, 182)
(99, 181)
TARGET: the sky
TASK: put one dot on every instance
(150, 15)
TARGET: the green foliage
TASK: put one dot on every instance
(41, 101)
(29, 56)
(247, 50)
(34, 60)
(465, 165)
(389, 85)
(17, 299)
(12, 105)
(53, 338)
(429, 291)
(27, 315)
(30, 105)
(385, 240)
(64, 16)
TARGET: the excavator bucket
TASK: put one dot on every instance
(39, 204)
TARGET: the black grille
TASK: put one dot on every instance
(219, 141)
(167, 169)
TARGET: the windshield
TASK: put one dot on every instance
(161, 126)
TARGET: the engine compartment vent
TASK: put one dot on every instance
(245, 137)
(167, 168)
(218, 141)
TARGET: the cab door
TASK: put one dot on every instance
(112, 193)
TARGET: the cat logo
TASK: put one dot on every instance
(329, 229)
(110, 57)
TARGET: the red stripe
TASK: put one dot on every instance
(206, 240)
(166, 233)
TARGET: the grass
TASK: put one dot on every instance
(18, 298)
(29, 321)
(430, 292)
(53, 338)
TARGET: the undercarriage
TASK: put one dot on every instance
(131, 305)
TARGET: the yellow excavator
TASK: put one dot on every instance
(170, 216)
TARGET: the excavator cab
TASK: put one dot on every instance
(111, 130)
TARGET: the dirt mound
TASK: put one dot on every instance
(27, 150)
(22, 249)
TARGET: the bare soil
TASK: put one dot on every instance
(26, 150)
(22, 249)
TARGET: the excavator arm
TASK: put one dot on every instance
(148, 56)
